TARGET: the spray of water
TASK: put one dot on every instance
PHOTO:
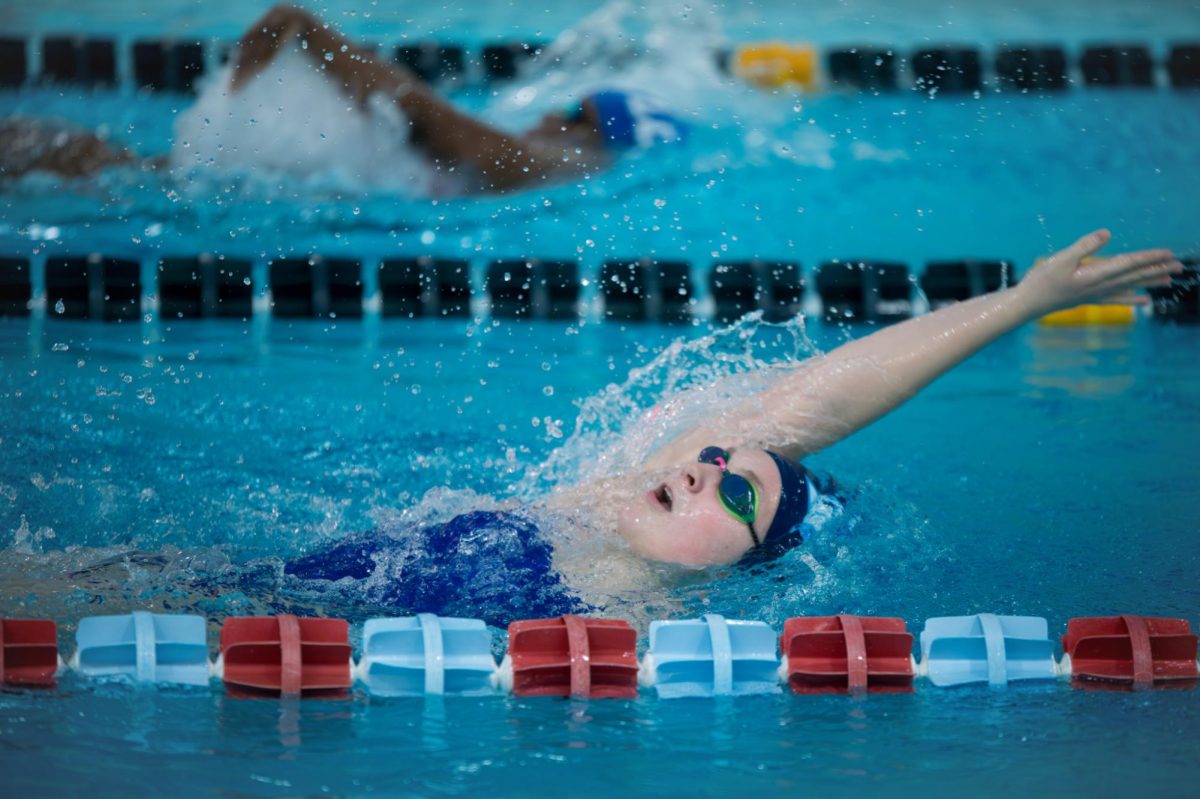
(665, 48)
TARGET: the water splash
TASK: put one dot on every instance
(666, 48)
(291, 122)
(688, 381)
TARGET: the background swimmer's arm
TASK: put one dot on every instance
(28, 145)
(259, 45)
(445, 133)
(831, 397)
(357, 70)
(505, 161)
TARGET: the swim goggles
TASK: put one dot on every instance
(736, 492)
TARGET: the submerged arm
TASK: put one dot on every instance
(831, 397)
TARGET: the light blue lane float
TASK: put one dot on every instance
(149, 647)
(426, 654)
(711, 657)
(997, 650)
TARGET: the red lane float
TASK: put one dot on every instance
(28, 651)
(847, 654)
(1128, 649)
(573, 656)
(286, 655)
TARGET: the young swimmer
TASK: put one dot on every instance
(485, 159)
(728, 491)
(704, 515)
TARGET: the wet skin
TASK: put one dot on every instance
(682, 519)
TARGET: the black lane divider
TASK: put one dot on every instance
(175, 65)
(167, 66)
(122, 289)
(871, 291)
(647, 290)
(776, 288)
(88, 62)
(948, 282)
(204, 287)
(533, 288)
(1180, 300)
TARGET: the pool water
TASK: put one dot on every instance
(1050, 476)
(156, 464)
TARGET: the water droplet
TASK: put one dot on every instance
(60, 306)
(59, 347)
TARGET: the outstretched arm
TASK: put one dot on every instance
(831, 397)
(447, 134)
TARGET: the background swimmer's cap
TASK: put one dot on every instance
(633, 119)
(784, 532)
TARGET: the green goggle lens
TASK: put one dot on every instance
(737, 495)
(736, 492)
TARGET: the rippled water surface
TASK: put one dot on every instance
(1049, 476)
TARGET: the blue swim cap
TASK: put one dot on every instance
(784, 532)
(633, 119)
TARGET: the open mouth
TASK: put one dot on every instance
(663, 495)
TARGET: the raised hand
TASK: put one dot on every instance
(1072, 276)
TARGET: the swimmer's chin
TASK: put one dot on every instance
(632, 518)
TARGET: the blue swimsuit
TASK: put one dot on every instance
(484, 565)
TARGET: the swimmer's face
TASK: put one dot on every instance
(682, 519)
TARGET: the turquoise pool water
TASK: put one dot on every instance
(1053, 474)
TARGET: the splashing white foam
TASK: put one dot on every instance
(291, 120)
(665, 49)
(687, 382)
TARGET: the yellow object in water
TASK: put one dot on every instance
(776, 64)
(1084, 315)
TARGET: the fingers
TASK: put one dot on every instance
(1087, 245)
(1157, 275)
(1126, 298)
(1135, 261)
(1142, 271)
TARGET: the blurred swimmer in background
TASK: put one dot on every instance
(389, 119)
